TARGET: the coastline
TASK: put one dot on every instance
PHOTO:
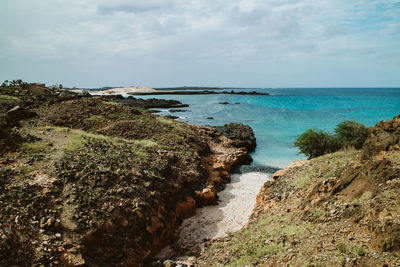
(88, 180)
(337, 209)
(114, 157)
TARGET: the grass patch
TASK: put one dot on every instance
(8, 98)
(79, 138)
(182, 127)
(141, 155)
(166, 122)
(96, 118)
(258, 240)
(111, 103)
(359, 251)
(121, 116)
(365, 196)
(252, 253)
(303, 178)
(316, 213)
(23, 171)
(35, 147)
(325, 166)
(53, 128)
(147, 143)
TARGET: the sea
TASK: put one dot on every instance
(278, 118)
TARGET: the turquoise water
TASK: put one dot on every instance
(279, 118)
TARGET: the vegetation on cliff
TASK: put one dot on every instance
(314, 143)
(99, 180)
(340, 209)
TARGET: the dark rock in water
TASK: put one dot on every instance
(210, 118)
(18, 113)
(223, 103)
(242, 135)
(145, 103)
(177, 110)
(171, 117)
(197, 92)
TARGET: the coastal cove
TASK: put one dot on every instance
(89, 180)
(277, 119)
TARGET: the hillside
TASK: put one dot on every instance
(340, 209)
(100, 180)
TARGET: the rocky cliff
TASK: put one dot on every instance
(341, 209)
(98, 181)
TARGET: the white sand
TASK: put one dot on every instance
(231, 214)
(125, 90)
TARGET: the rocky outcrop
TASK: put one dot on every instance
(384, 136)
(101, 183)
(226, 153)
(145, 103)
(241, 135)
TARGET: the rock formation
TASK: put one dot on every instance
(97, 181)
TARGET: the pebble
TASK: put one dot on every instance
(58, 235)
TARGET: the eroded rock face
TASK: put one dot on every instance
(106, 184)
(383, 136)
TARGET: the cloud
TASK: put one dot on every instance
(204, 33)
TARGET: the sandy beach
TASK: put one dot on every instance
(125, 90)
(235, 205)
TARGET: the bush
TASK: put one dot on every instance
(314, 143)
(351, 134)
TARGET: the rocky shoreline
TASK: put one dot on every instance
(93, 180)
(339, 209)
(204, 92)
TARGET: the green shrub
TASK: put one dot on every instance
(314, 143)
(351, 134)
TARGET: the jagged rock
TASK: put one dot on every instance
(382, 136)
(242, 135)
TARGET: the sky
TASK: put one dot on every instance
(239, 43)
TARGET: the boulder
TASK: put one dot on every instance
(240, 134)
(381, 137)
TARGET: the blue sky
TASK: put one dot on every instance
(269, 43)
